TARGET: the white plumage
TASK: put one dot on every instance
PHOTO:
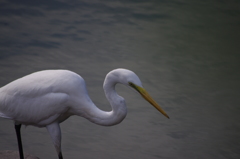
(47, 98)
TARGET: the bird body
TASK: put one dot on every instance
(40, 98)
(47, 98)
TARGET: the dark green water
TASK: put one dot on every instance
(185, 52)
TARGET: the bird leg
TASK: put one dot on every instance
(55, 133)
(18, 132)
(60, 155)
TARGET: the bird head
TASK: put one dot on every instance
(129, 78)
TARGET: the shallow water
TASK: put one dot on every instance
(186, 54)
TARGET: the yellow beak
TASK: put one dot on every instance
(146, 96)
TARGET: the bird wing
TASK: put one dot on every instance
(32, 100)
(40, 97)
(39, 110)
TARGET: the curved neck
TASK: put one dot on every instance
(119, 109)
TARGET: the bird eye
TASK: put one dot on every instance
(130, 83)
(134, 86)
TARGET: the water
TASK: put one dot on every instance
(186, 54)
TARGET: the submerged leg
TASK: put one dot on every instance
(55, 133)
(18, 132)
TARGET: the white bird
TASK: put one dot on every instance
(47, 98)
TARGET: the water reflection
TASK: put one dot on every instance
(186, 54)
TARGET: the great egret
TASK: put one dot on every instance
(47, 98)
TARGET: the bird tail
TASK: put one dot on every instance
(2, 115)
